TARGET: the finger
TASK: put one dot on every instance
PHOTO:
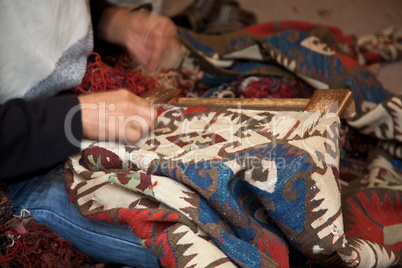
(134, 118)
(132, 130)
(145, 110)
(137, 127)
(139, 52)
(159, 36)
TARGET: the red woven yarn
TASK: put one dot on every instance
(268, 87)
(101, 77)
(41, 247)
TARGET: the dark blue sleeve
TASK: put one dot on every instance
(35, 136)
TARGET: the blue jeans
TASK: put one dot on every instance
(47, 200)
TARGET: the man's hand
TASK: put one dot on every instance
(116, 115)
(151, 38)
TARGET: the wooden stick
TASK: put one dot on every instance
(256, 104)
(339, 101)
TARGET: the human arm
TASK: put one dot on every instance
(149, 37)
(32, 136)
(116, 115)
(38, 135)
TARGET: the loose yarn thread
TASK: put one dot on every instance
(101, 77)
(27, 243)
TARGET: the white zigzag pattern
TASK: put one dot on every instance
(209, 253)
